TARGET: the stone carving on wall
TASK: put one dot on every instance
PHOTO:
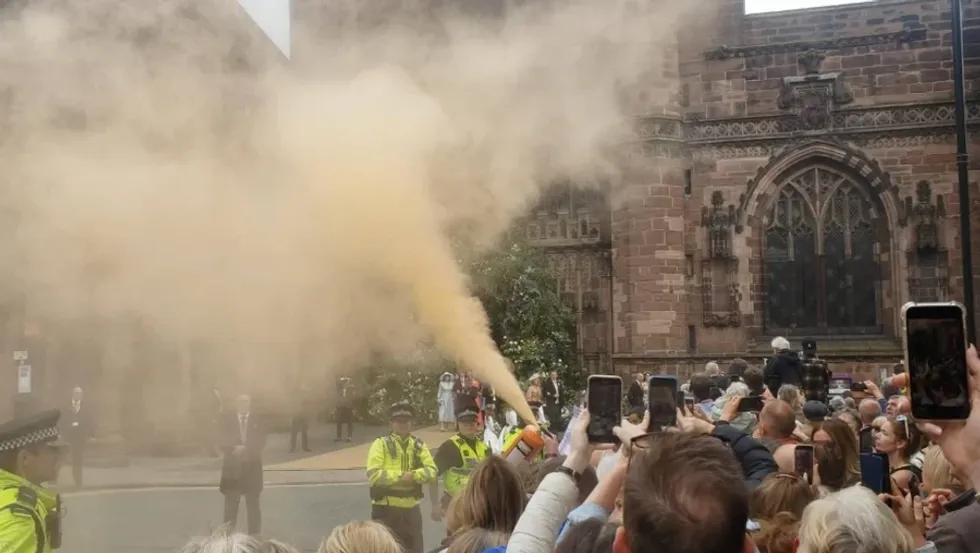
(905, 36)
(566, 216)
(765, 148)
(810, 61)
(928, 259)
(874, 127)
(853, 120)
(720, 291)
(579, 276)
(815, 95)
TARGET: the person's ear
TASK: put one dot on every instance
(619, 542)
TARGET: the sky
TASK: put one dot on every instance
(273, 16)
(760, 6)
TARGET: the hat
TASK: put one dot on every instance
(467, 413)
(809, 345)
(401, 409)
(815, 411)
(41, 428)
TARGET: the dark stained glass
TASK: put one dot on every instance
(825, 286)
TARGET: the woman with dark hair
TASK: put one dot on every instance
(841, 449)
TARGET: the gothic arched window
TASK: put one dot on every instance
(819, 256)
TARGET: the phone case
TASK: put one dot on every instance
(905, 328)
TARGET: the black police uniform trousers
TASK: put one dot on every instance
(405, 525)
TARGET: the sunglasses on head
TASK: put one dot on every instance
(905, 421)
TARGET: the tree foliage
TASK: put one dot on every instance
(529, 322)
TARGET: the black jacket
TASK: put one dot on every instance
(783, 368)
(635, 395)
(757, 462)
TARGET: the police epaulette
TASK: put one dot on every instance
(20, 509)
(27, 496)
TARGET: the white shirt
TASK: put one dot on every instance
(243, 426)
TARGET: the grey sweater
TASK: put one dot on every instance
(537, 530)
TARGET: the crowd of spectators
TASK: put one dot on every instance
(722, 481)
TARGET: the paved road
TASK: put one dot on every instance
(160, 520)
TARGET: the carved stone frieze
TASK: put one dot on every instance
(898, 38)
(766, 148)
(566, 216)
(853, 120)
(659, 128)
(656, 150)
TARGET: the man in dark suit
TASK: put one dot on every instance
(635, 394)
(554, 395)
(78, 433)
(241, 473)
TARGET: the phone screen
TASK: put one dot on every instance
(803, 462)
(874, 473)
(750, 404)
(936, 349)
(605, 408)
(662, 393)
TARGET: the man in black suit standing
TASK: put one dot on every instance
(78, 433)
(241, 473)
(636, 394)
(553, 399)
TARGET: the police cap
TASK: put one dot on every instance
(41, 428)
(401, 410)
(467, 413)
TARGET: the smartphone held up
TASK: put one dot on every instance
(663, 402)
(935, 344)
(605, 404)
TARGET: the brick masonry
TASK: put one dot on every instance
(887, 71)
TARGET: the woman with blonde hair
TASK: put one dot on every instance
(362, 536)
(851, 520)
(477, 540)
(780, 493)
(937, 473)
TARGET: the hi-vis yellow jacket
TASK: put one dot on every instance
(25, 514)
(456, 478)
(391, 456)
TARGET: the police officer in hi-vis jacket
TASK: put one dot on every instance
(397, 466)
(31, 452)
(456, 459)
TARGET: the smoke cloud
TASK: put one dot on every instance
(163, 168)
